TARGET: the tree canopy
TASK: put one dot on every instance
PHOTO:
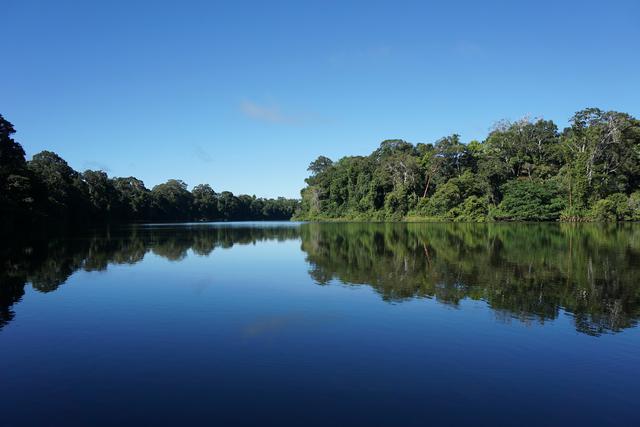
(525, 170)
(46, 189)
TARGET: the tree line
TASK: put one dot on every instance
(47, 189)
(526, 170)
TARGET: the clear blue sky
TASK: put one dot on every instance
(243, 95)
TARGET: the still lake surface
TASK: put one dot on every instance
(322, 324)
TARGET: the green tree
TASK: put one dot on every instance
(205, 203)
(134, 199)
(602, 154)
(320, 165)
(228, 205)
(616, 207)
(62, 187)
(101, 194)
(530, 200)
(16, 188)
(171, 201)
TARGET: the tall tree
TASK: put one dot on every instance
(205, 203)
(100, 194)
(172, 201)
(134, 199)
(63, 188)
(16, 198)
(602, 154)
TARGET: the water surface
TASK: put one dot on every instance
(322, 324)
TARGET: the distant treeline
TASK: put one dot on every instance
(47, 189)
(523, 171)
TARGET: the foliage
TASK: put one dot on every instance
(529, 200)
(634, 206)
(15, 179)
(473, 209)
(171, 200)
(616, 207)
(47, 190)
(523, 171)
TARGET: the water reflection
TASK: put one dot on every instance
(524, 271)
(46, 264)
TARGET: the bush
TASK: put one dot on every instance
(446, 197)
(616, 207)
(396, 204)
(530, 200)
(473, 209)
(603, 211)
(634, 206)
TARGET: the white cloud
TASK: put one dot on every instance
(273, 114)
(269, 114)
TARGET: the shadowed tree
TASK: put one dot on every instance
(172, 201)
(16, 192)
(63, 187)
(205, 203)
(134, 199)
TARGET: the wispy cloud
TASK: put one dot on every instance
(202, 154)
(272, 113)
(267, 113)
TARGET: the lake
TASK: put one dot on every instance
(322, 324)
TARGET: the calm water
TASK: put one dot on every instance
(322, 324)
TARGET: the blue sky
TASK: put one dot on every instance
(243, 95)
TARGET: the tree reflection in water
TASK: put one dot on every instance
(525, 271)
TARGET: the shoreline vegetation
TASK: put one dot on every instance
(46, 191)
(525, 170)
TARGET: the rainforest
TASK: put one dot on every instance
(46, 190)
(527, 170)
